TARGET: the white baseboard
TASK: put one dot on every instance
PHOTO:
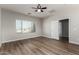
(19, 39)
(73, 42)
(45, 36)
(50, 37)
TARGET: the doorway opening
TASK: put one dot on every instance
(64, 30)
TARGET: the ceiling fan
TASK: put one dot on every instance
(39, 8)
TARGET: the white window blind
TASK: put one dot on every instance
(23, 26)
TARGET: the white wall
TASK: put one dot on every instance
(0, 28)
(74, 27)
(46, 28)
(54, 29)
(48, 25)
(50, 28)
(9, 26)
(71, 12)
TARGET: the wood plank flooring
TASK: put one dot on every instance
(39, 46)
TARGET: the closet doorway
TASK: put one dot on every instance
(64, 30)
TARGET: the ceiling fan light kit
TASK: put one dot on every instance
(38, 10)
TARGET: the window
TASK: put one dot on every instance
(18, 26)
(23, 26)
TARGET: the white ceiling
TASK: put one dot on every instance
(27, 8)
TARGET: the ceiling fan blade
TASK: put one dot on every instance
(41, 10)
(44, 8)
(34, 8)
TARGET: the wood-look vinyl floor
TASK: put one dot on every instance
(39, 46)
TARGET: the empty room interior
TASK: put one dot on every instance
(39, 29)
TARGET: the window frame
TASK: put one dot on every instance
(22, 27)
